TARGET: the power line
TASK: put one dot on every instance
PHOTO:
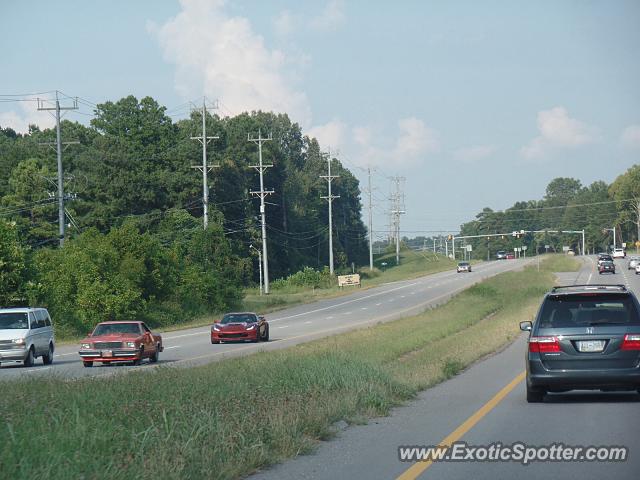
(330, 198)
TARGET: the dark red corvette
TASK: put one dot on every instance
(240, 327)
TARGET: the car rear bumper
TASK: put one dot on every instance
(622, 378)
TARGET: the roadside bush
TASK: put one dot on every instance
(308, 277)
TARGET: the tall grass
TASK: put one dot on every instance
(227, 419)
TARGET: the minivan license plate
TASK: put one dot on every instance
(107, 353)
(591, 346)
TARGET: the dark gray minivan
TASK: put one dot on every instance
(25, 334)
(584, 337)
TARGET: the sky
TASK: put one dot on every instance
(475, 103)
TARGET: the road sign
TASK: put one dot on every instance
(565, 249)
(624, 244)
(469, 248)
(638, 244)
(524, 247)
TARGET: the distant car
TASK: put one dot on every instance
(606, 267)
(638, 269)
(633, 262)
(619, 253)
(124, 341)
(26, 334)
(511, 256)
(604, 257)
(463, 267)
(501, 255)
(240, 327)
(584, 338)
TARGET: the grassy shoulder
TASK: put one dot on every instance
(230, 418)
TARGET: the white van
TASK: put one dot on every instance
(619, 253)
(25, 334)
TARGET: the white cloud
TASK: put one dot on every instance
(630, 137)
(284, 23)
(557, 129)
(331, 134)
(28, 115)
(474, 153)
(415, 140)
(331, 17)
(222, 57)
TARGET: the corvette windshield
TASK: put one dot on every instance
(13, 321)
(116, 328)
(238, 318)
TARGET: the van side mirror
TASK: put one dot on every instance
(526, 326)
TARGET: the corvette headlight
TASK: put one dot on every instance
(251, 327)
(85, 346)
(130, 344)
(18, 341)
(216, 328)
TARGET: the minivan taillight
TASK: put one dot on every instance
(631, 342)
(544, 344)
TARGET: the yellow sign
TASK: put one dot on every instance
(348, 280)
(638, 244)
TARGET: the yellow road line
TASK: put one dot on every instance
(418, 468)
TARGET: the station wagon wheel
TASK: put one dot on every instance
(48, 358)
(154, 358)
(87, 364)
(28, 362)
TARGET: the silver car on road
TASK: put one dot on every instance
(26, 334)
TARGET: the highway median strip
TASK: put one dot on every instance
(228, 419)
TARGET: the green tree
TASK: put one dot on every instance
(13, 266)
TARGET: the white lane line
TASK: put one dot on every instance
(283, 326)
(344, 303)
(64, 354)
(330, 318)
(402, 296)
(378, 304)
(347, 313)
(173, 346)
(308, 323)
(363, 308)
(391, 300)
(185, 335)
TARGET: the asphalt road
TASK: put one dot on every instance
(458, 410)
(287, 327)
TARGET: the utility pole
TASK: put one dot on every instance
(329, 178)
(58, 108)
(262, 193)
(397, 210)
(371, 222)
(204, 168)
(259, 266)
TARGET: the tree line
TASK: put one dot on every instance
(136, 245)
(567, 205)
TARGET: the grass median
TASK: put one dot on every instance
(227, 419)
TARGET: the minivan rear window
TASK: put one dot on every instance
(13, 321)
(589, 309)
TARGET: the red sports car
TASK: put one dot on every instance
(120, 342)
(240, 327)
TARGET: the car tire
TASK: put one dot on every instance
(87, 364)
(534, 395)
(48, 358)
(28, 362)
(156, 355)
(266, 335)
(214, 342)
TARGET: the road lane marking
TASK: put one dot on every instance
(308, 323)
(378, 304)
(283, 326)
(418, 468)
(344, 303)
(173, 346)
(363, 308)
(37, 369)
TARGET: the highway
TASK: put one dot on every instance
(287, 327)
(486, 404)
